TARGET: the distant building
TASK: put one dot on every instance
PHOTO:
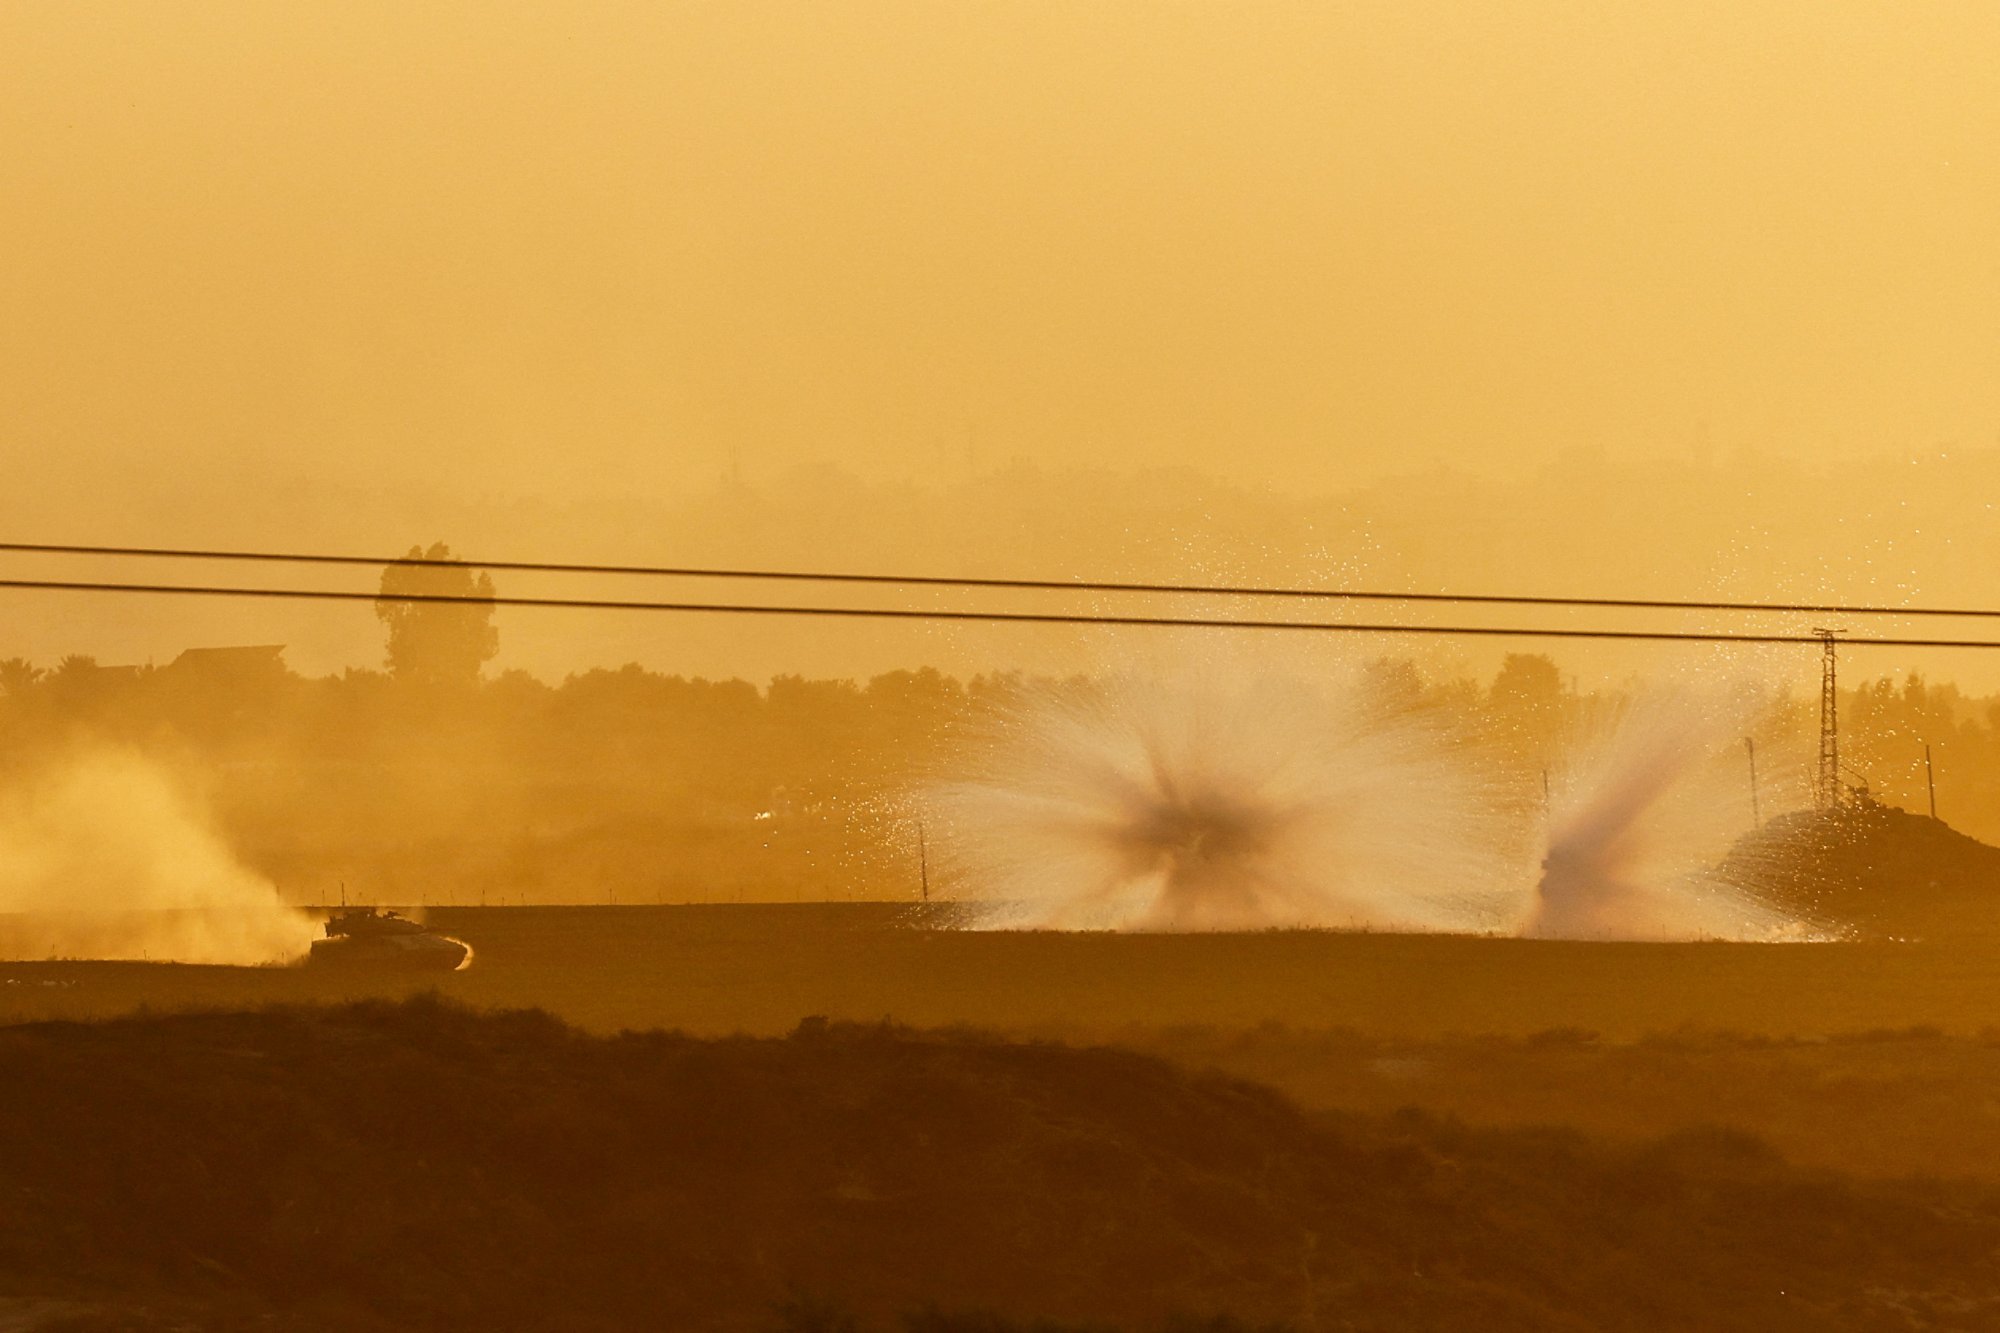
(260, 657)
(254, 664)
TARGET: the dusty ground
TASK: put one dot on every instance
(719, 969)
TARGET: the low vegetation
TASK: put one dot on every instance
(1886, 1103)
(420, 1166)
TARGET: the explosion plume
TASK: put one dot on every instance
(1191, 803)
(1638, 822)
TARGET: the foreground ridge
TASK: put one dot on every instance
(420, 1165)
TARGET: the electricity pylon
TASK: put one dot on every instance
(1826, 782)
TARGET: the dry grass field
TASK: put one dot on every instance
(759, 969)
(1875, 1058)
(1653, 1090)
(401, 1167)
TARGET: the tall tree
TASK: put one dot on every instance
(438, 643)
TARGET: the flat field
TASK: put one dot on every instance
(1873, 1058)
(761, 968)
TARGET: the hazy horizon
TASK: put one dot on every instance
(1900, 530)
(1305, 291)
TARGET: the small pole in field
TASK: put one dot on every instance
(1930, 778)
(1756, 816)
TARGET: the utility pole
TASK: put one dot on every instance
(1930, 778)
(1826, 782)
(1756, 816)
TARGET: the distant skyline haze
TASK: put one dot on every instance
(556, 282)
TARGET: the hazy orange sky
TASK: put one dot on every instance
(258, 255)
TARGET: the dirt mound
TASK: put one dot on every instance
(423, 1167)
(1872, 869)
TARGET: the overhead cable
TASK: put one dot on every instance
(986, 617)
(1006, 584)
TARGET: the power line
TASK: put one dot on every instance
(1018, 585)
(990, 617)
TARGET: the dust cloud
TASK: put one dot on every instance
(1198, 803)
(1638, 822)
(104, 856)
(1247, 802)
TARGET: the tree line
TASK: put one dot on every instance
(427, 780)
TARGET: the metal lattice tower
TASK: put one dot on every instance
(1826, 782)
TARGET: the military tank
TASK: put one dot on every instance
(370, 937)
